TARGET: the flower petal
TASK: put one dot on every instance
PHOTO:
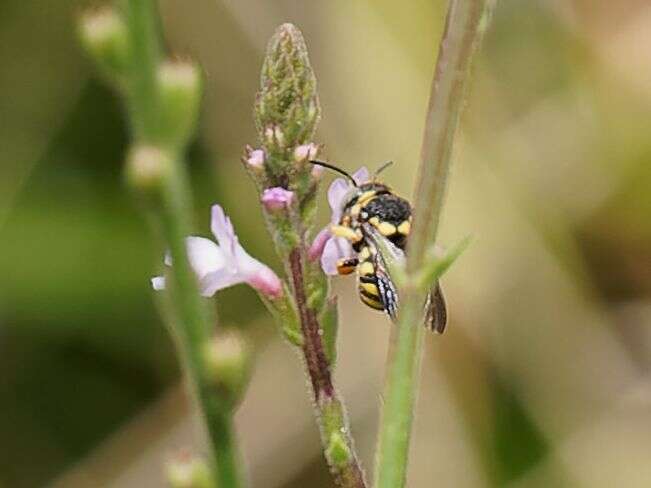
(205, 256)
(240, 262)
(335, 249)
(158, 283)
(266, 282)
(222, 229)
(316, 249)
(336, 193)
(361, 175)
(218, 280)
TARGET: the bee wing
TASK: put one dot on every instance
(436, 315)
(386, 288)
(436, 312)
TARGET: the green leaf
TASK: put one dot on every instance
(330, 326)
(436, 265)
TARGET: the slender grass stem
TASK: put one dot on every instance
(465, 22)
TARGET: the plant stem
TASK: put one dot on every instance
(329, 408)
(465, 22)
(142, 89)
(192, 329)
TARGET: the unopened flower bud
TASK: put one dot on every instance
(279, 137)
(255, 159)
(280, 102)
(180, 94)
(313, 112)
(269, 136)
(306, 152)
(317, 171)
(104, 35)
(147, 168)
(277, 198)
(187, 471)
(227, 360)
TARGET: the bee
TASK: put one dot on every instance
(371, 211)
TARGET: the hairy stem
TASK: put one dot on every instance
(329, 408)
(313, 348)
(465, 22)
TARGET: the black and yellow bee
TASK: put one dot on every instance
(372, 211)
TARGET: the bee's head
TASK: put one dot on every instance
(363, 191)
(357, 189)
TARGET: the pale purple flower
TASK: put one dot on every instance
(256, 159)
(277, 198)
(316, 249)
(326, 246)
(225, 263)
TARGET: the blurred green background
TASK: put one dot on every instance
(543, 377)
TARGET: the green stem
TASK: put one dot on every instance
(145, 56)
(224, 444)
(192, 332)
(192, 329)
(465, 22)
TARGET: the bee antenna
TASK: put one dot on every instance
(382, 168)
(334, 168)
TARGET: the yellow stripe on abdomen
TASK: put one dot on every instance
(371, 302)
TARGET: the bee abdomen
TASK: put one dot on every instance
(369, 294)
(367, 282)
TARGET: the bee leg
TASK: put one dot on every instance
(347, 266)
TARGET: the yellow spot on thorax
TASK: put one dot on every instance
(405, 228)
(386, 229)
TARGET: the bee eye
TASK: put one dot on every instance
(364, 215)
